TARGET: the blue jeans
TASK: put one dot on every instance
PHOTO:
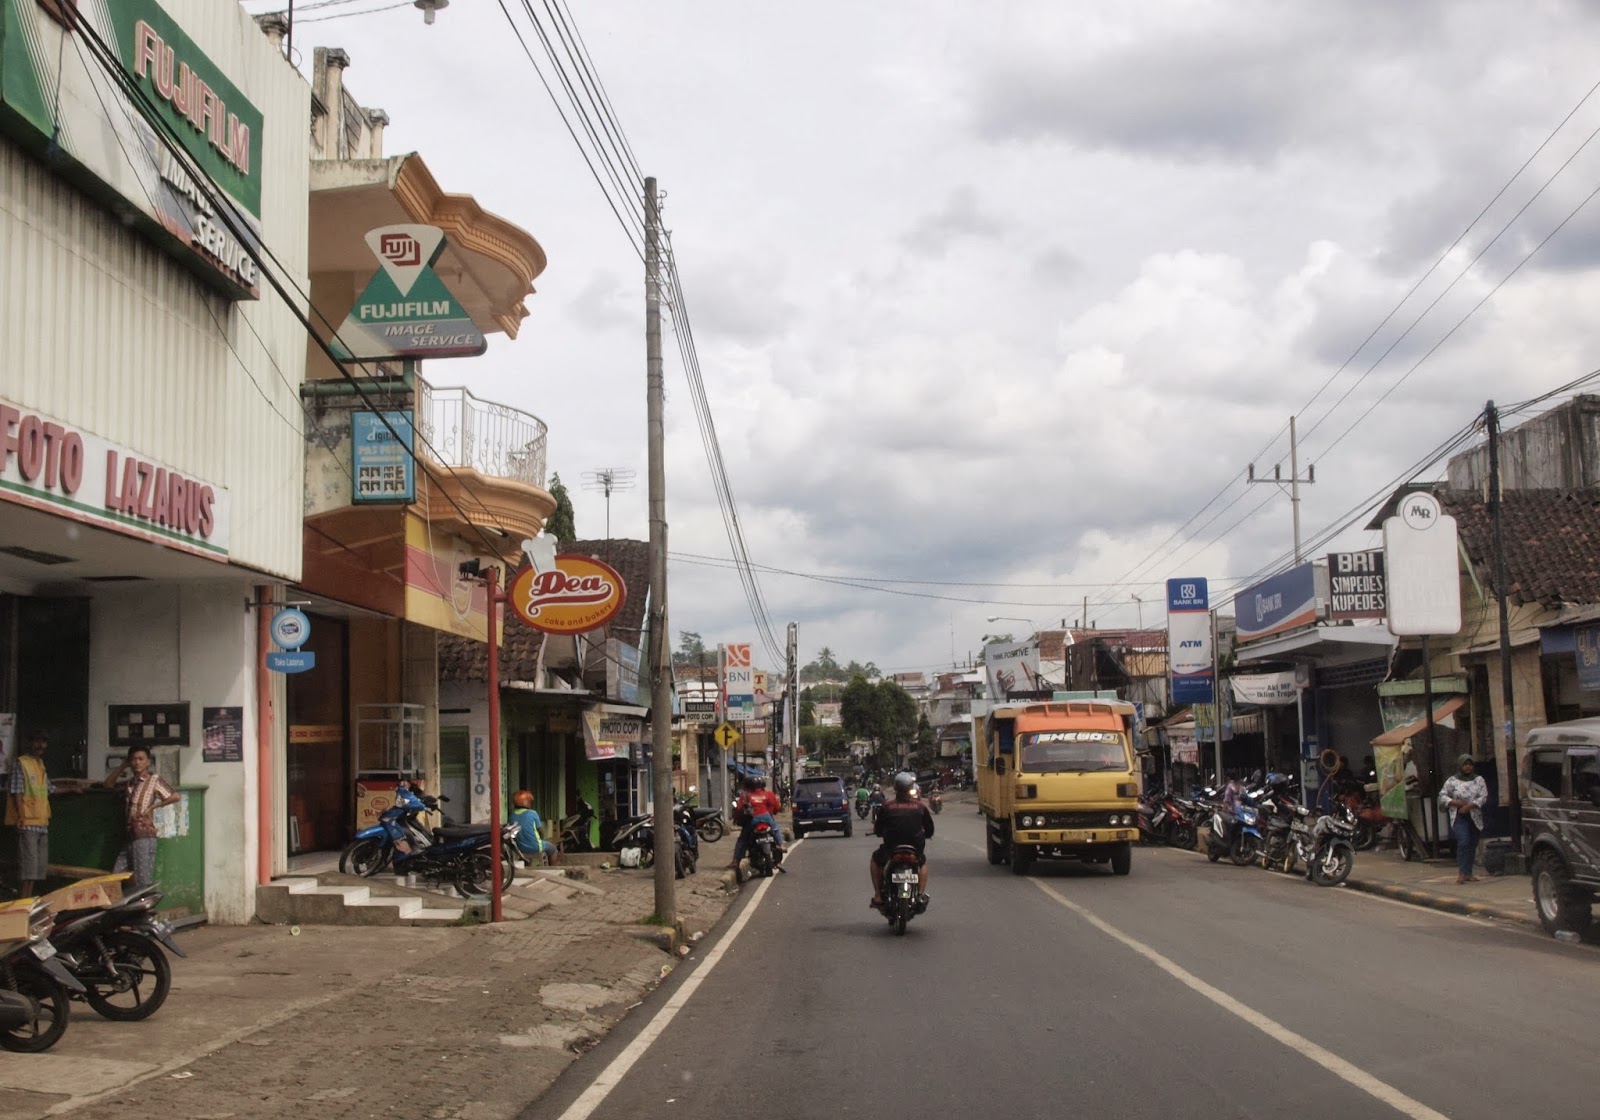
(741, 845)
(1465, 834)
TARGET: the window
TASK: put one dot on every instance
(1544, 773)
(1585, 775)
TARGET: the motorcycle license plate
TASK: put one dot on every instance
(904, 876)
(43, 950)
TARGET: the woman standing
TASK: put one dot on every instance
(1464, 795)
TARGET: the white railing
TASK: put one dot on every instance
(495, 440)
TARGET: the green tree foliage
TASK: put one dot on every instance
(822, 743)
(925, 753)
(880, 712)
(562, 525)
(692, 651)
(808, 711)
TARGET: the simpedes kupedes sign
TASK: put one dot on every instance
(57, 99)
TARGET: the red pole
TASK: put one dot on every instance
(491, 584)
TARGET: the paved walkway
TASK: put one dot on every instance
(1433, 883)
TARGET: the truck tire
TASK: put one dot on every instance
(1560, 906)
(996, 850)
(1021, 858)
(1122, 858)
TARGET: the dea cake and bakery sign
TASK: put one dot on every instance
(56, 98)
(575, 595)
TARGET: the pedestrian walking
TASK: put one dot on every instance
(1464, 795)
(28, 808)
(147, 791)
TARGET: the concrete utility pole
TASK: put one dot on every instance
(1294, 481)
(661, 667)
(1508, 695)
(791, 715)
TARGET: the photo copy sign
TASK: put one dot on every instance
(1189, 641)
(1424, 575)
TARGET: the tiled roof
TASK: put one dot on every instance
(1552, 541)
(462, 659)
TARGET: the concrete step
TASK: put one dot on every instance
(306, 901)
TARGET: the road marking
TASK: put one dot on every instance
(592, 1097)
(1299, 1043)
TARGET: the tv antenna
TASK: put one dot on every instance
(606, 480)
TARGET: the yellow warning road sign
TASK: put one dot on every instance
(726, 735)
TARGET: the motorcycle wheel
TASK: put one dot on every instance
(1244, 850)
(1183, 836)
(477, 874)
(1366, 837)
(680, 864)
(1406, 841)
(711, 830)
(365, 858)
(51, 1000)
(144, 977)
(902, 915)
(1212, 854)
(1335, 865)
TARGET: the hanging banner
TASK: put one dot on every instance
(595, 743)
(1012, 667)
(1267, 689)
(1189, 641)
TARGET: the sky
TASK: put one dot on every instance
(995, 303)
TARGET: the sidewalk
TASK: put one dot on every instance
(454, 1023)
(1433, 884)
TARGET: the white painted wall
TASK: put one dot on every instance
(472, 696)
(194, 642)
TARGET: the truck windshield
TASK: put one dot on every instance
(1044, 751)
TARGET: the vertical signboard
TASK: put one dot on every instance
(384, 469)
(480, 778)
(1189, 641)
(1585, 650)
(1356, 585)
(1424, 575)
(739, 682)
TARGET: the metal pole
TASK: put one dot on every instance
(1508, 780)
(1433, 743)
(1294, 487)
(660, 678)
(491, 583)
(1216, 699)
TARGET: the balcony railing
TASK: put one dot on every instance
(495, 440)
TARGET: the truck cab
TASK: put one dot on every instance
(1059, 780)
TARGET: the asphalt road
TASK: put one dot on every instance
(1185, 989)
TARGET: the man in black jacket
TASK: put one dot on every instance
(905, 820)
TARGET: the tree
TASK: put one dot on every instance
(562, 525)
(820, 742)
(691, 650)
(808, 710)
(859, 710)
(924, 753)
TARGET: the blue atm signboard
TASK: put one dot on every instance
(1189, 641)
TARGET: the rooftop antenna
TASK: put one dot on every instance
(606, 480)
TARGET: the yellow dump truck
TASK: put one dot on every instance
(1058, 779)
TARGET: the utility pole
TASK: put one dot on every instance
(1216, 698)
(1507, 691)
(791, 715)
(1294, 481)
(660, 671)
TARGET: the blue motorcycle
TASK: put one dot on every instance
(455, 855)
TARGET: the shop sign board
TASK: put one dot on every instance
(1011, 667)
(1266, 689)
(622, 671)
(1586, 650)
(291, 661)
(1356, 585)
(406, 311)
(1284, 602)
(50, 465)
(1420, 553)
(480, 778)
(578, 594)
(596, 745)
(739, 681)
(1189, 652)
(383, 466)
(54, 97)
(290, 628)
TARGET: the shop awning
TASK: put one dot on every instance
(1519, 638)
(1321, 645)
(747, 771)
(1400, 734)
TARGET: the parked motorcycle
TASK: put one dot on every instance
(901, 900)
(687, 857)
(576, 829)
(1233, 834)
(1368, 816)
(35, 1004)
(375, 847)
(116, 954)
(707, 822)
(1325, 846)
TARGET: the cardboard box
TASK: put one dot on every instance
(88, 894)
(14, 919)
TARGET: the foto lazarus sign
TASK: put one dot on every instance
(406, 311)
(578, 594)
(1420, 552)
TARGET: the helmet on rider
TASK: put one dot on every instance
(522, 799)
(903, 783)
(749, 785)
(761, 783)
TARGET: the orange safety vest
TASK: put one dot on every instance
(32, 807)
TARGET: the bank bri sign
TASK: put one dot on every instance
(1284, 602)
(1189, 641)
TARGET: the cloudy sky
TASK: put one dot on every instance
(992, 299)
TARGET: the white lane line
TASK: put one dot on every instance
(1327, 1059)
(591, 1098)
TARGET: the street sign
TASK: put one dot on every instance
(726, 735)
(292, 661)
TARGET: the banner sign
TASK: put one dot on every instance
(1356, 585)
(596, 745)
(406, 311)
(59, 102)
(1424, 568)
(1586, 650)
(1284, 602)
(383, 468)
(1266, 689)
(1012, 667)
(1189, 641)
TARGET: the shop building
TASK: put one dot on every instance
(151, 448)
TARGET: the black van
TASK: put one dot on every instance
(1561, 821)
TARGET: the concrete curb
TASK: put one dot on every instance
(1432, 901)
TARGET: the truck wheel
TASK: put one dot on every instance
(1021, 858)
(996, 850)
(1122, 858)
(1560, 906)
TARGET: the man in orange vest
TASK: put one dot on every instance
(28, 808)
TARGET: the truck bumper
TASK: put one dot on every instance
(1075, 837)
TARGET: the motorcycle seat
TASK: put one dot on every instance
(461, 831)
(903, 850)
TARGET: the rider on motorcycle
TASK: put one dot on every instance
(755, 804)
(905, 820)
(863, 794)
